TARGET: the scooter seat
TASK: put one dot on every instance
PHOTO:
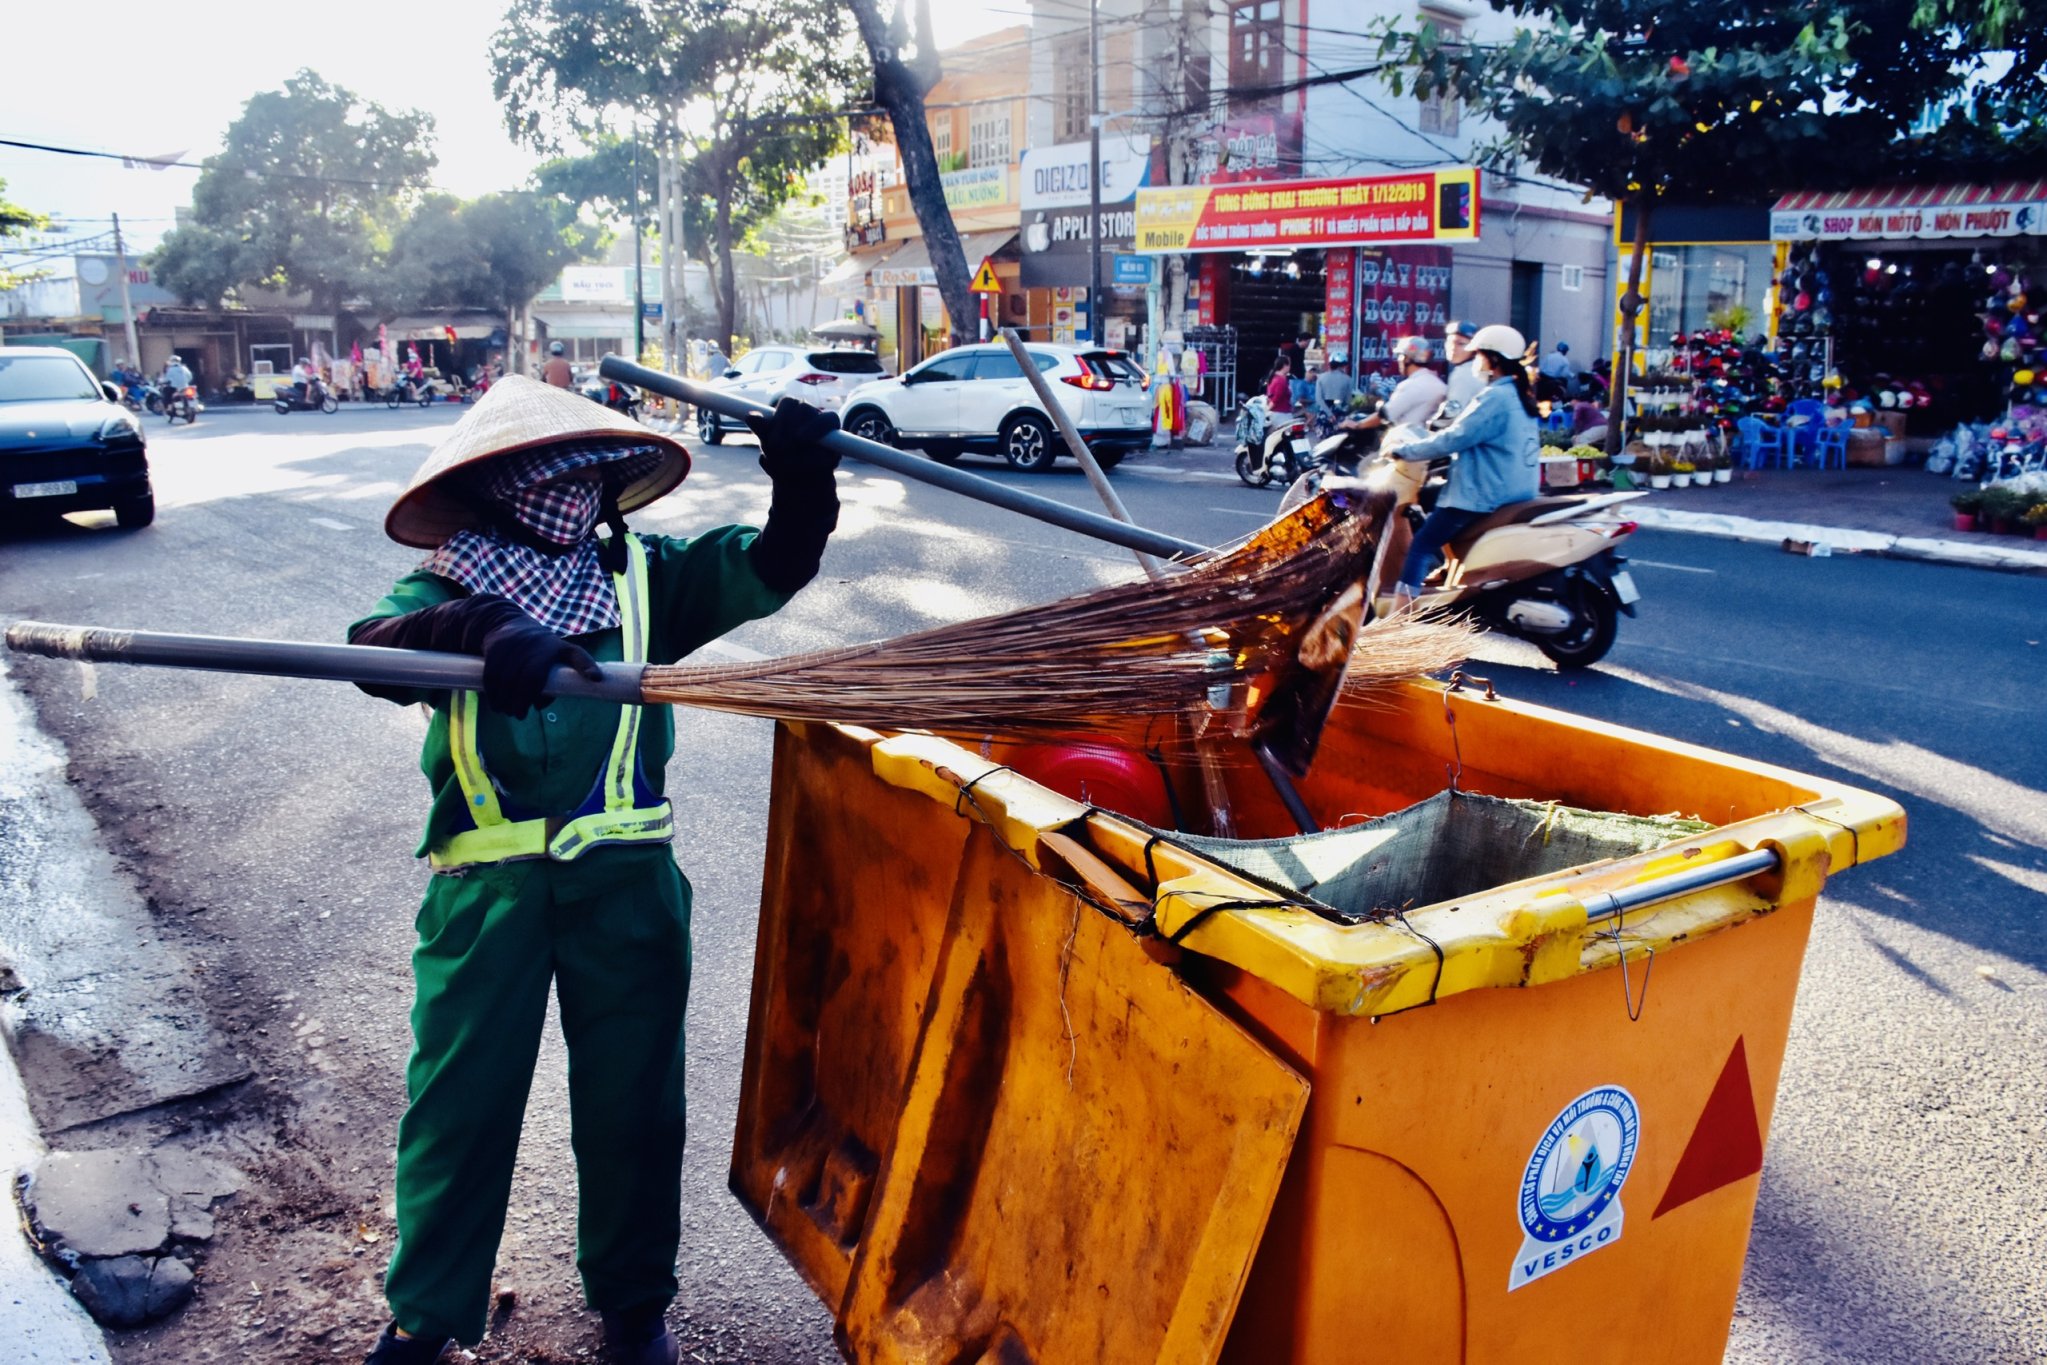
(1512, 514)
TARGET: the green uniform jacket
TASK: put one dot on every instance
(545, 763)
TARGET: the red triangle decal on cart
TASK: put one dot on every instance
(1727, 1143)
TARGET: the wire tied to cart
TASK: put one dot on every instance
(1458, 678)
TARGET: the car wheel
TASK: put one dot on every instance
(132, 514)
(1594, 623)
(1027, 443)
(709, 429)
(870, 424)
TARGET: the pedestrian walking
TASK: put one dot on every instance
(1279, 389)
(548, 834)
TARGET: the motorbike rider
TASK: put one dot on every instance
(556, 371)
(1334, 386)
(1463, 383)
(176, 378)
(1418, 394)
(1496, 439)
(537, 883)
(303, 377)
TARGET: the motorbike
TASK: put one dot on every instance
(181, 404)
(618, 397)
(316, 395)
(406, 390)
(1548, 571)
(1270, 446)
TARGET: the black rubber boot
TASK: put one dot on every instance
(639, 1336)
(392, 1349)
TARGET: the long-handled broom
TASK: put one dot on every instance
(1259, 634)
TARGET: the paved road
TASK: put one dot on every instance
(1902, 1216)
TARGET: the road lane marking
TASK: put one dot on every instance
(331, 524)
(1242, 512)
(1659, 564)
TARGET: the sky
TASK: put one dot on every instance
(149, 84)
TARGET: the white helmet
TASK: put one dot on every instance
(1415, 349)
(1501, 339)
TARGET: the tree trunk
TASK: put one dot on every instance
(723, 282)
(1624, 351)
(900, 89)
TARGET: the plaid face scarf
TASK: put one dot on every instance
(564, 587)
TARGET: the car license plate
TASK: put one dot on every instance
(45, 490)
(1131, 416)
(1624, 588)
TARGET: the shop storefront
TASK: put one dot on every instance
(1353, 263)
(1056, 240)
(1928, 294)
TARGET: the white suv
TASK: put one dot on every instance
(976, 398)
(821, 377)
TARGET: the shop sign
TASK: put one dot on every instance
(593, 284)
(977, 188)
(1426, 206)
(1401, 291)
(1057, 177)
(1339, 278)
(1255, 147)
(1131, 270)
(872, 232)
(2011, 218)
(1054, 191)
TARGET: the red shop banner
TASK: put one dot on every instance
(1426, 206)
(1402, 291)
(1339, 282)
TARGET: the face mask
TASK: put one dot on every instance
(561, 512)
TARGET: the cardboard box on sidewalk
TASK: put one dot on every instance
(1874, 446)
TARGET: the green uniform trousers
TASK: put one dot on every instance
(611, 932)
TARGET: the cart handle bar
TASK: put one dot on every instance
(1607, 904)
(916, 467)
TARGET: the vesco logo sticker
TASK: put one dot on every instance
(1571, 1192)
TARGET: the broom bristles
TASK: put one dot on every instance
(1097, 659)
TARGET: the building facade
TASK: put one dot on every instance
(1274, 98)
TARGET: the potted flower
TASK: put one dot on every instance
(2003, 506)
(1967, 504)
(1681, 472)
(2036, 517)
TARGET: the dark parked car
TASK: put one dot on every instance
(66, 443)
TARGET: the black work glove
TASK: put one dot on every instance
(792, 440)
(517, 658)
(457, 627)
(804, 510)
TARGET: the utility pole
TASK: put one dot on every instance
(639, 294)
(127, 305)
(1095, 326)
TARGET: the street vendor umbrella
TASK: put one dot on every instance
(846, 329)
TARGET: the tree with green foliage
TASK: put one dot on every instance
(749, 91)
(1645, 103)
(14, 222)
(497, 252)
(302, 198)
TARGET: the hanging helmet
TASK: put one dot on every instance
(1500, 339)
(2010, 350)
(1413, 349)
(1887, 399)
(2024, 379)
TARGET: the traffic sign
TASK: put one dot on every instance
(985, 281)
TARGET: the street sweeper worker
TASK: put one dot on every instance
(548, 834)
(1498, 447)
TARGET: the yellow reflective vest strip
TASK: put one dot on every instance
(496, 839)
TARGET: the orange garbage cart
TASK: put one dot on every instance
(1477, 1074)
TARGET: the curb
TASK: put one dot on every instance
(1924, 549)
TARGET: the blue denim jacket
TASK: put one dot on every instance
(1499, 453)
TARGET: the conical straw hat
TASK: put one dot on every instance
(516, 414)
